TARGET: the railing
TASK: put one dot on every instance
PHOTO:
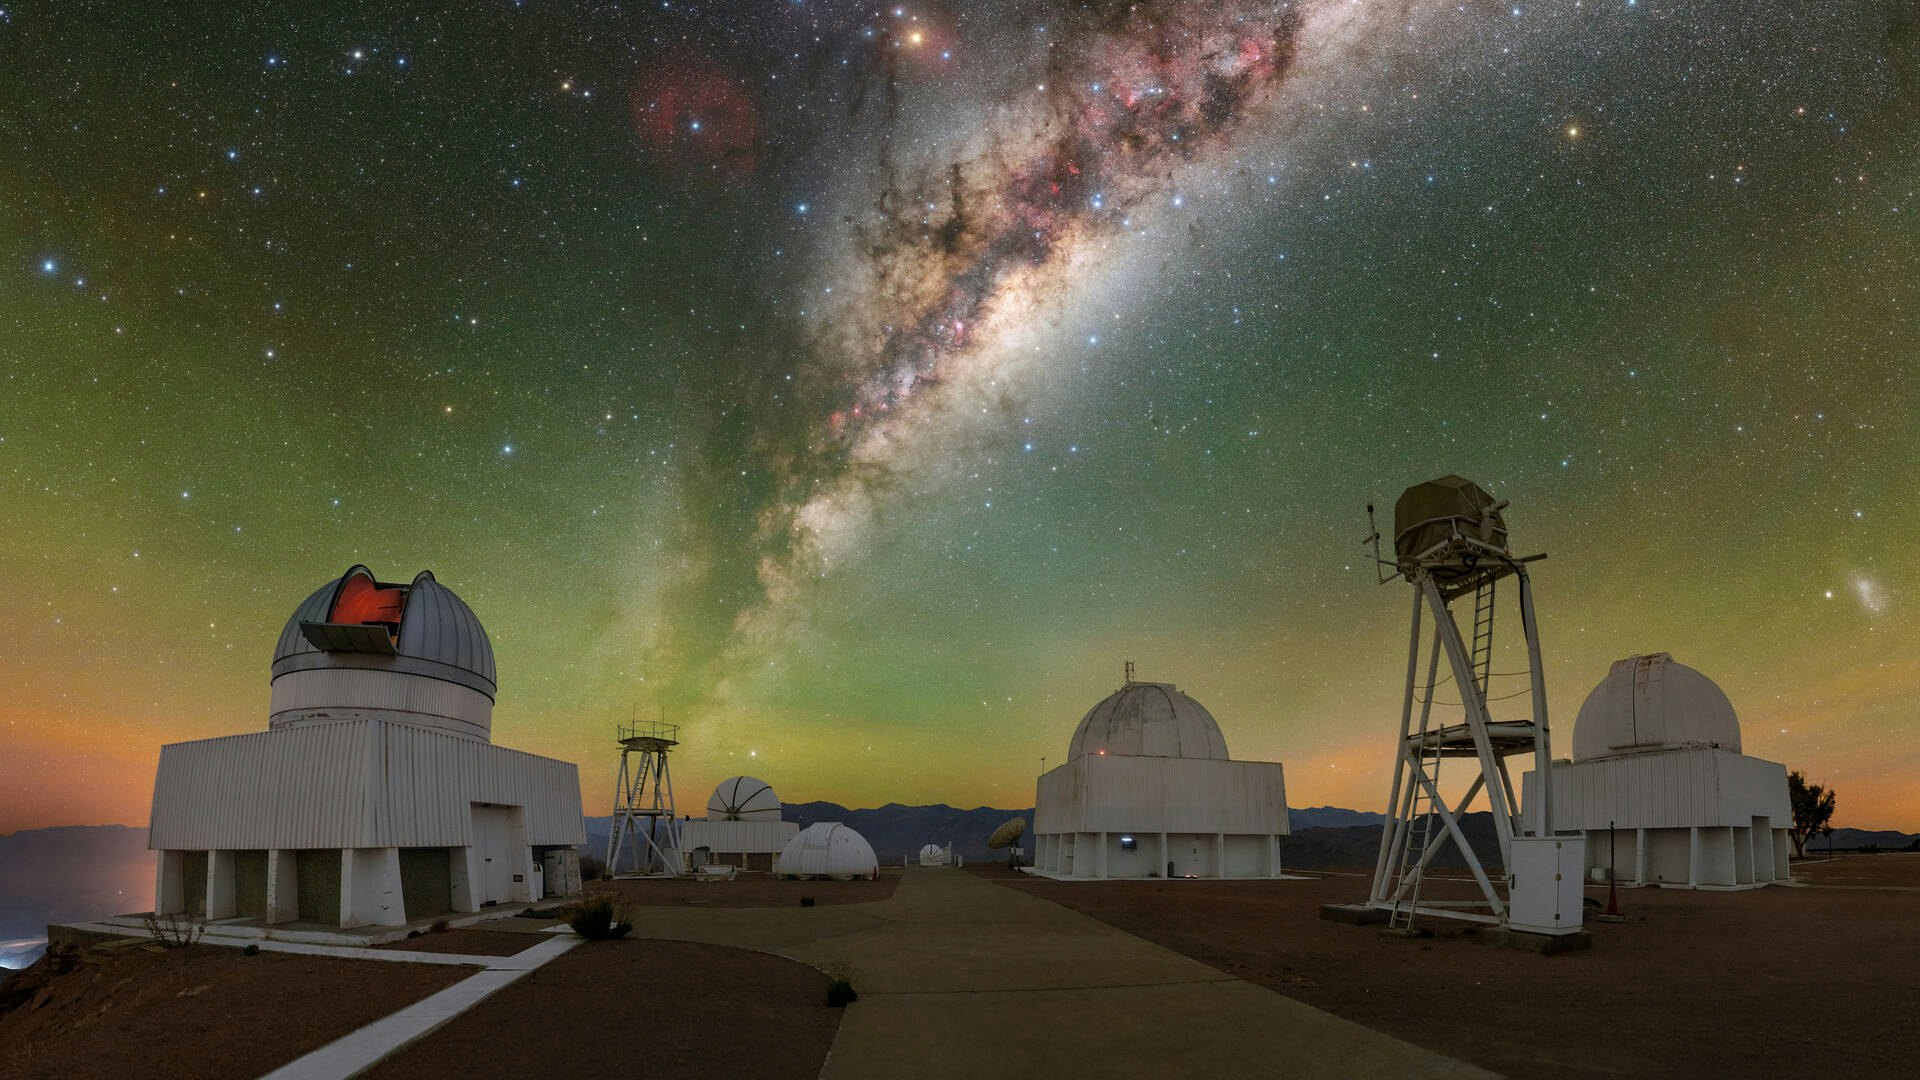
(650, 729)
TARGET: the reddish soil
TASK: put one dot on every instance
(747, 890)
(467, 942)
(676, 1009)
(1770, 982)
(1861, 871)
(202, 1011)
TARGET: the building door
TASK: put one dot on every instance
(492, 831)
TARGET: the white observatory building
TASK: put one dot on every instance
(375, 796)
(742, 828)
(828, 849)
(1656, 757)
(1148, 790)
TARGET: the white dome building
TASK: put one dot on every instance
(743, 798)
(1149, 790)
(742, 828)
(828, 849)
(1656, 757)
(375, 796)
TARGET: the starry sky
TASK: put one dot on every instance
(862, 385)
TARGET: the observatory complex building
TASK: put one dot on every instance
(742, 828)
(1656, 758)
(375, 796)
(1148, 790)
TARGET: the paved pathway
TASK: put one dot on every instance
(959, 977)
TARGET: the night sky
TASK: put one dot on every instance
(863, 385)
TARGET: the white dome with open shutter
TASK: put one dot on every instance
(363, 648)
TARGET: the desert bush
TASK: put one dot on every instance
(598, 918)
(840, 991)
(591, 868)
(250, 950)
(169, 931)
(439, 926)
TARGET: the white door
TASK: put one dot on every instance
(492, 826)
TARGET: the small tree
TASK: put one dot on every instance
(1812, 811)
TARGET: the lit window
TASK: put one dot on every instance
(1127, 844)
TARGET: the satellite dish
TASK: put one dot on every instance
(1005, 835)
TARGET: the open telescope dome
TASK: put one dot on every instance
(359, 647)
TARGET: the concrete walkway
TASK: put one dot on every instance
(355, 1051)
(959, 977)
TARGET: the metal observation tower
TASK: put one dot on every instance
(1450, 544)
(643, 792)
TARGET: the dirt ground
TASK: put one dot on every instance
(746, 890)
(1770, 982)
(1896, 869)
(467, 943)
(204, 1011)
(673, 1009)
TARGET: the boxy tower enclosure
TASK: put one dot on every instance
(1450, 543)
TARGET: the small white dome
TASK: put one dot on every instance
(828, 849)
(743, 798)
(1145, 719)
(1653, 703)
(932, 851)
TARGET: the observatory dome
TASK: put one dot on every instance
(360, 647)
(743, 798)
(831, 850)
(1653, 703)
(1146, 719)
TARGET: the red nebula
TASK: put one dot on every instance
(691, 114)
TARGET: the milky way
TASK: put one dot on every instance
(956, 255)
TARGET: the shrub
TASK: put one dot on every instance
(172, 933)
(597, 919)
(840, 991)
(806, 901)
(592, 868)
(439, 926)
(250, 950)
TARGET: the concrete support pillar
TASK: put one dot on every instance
(1219, 855)
(1101, 862)
(1640, 856)
(222, 903)
(283, 885)
(524, 885)
(467, 871)
(1693, 856)
(1273, 855)
(370, 892)
(169, 883)
(1165, 866)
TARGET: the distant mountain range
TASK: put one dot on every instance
(68, 874)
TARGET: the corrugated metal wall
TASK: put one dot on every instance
(1184, 795)
(737, 836)
(365, 783)
(1671, 789)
